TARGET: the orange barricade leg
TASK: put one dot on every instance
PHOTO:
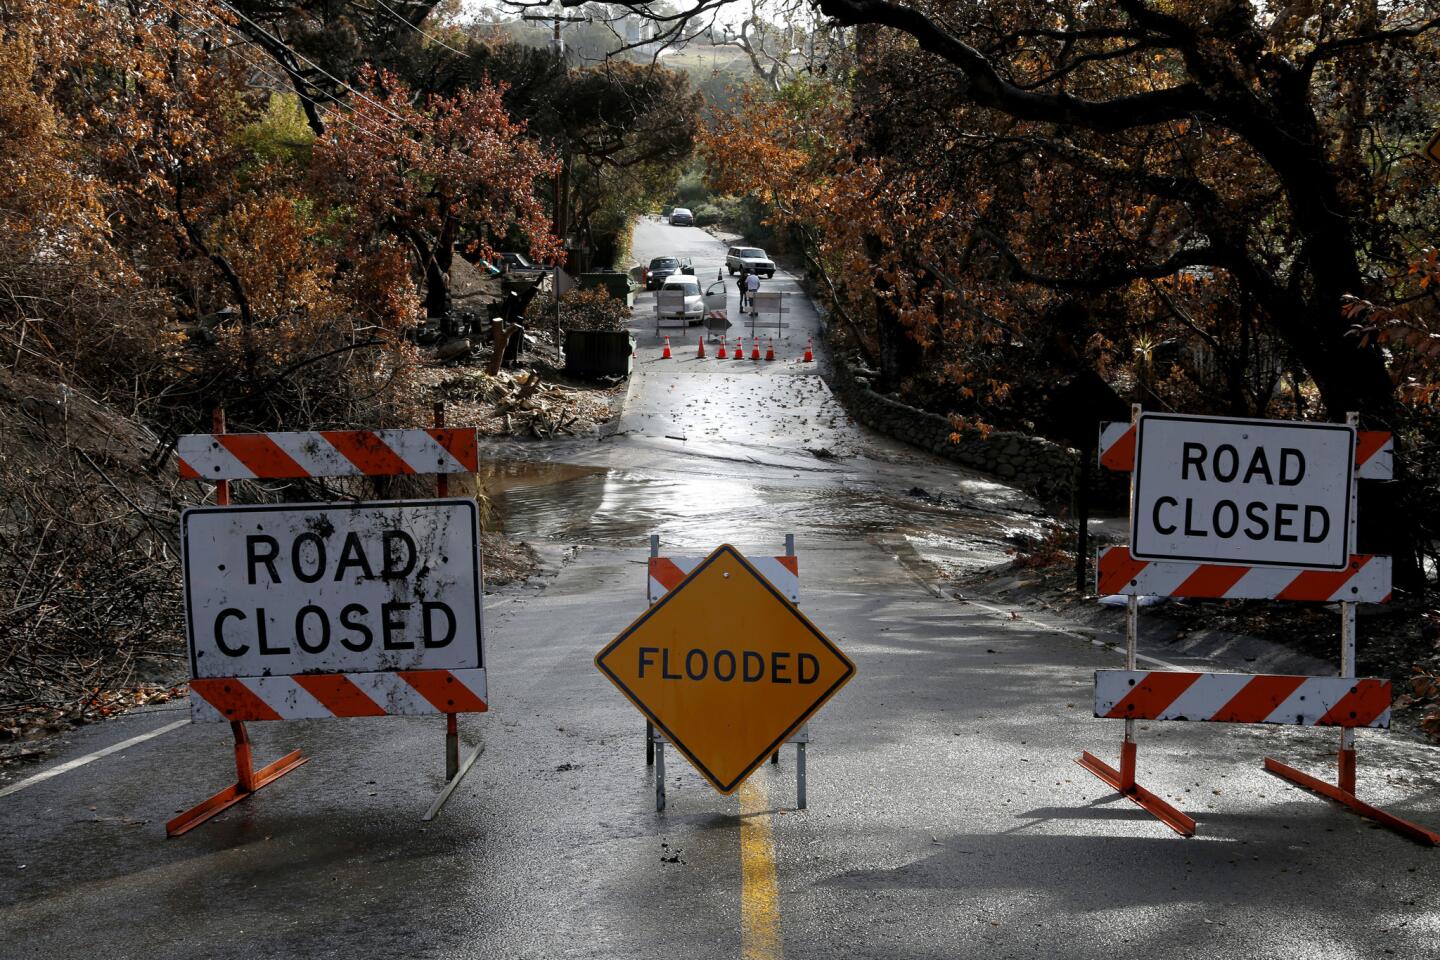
(1123, 780)
(1343, 790)
(1344, 794)
(247, 781)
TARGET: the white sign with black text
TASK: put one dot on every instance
(286, 589)
(1235, 491)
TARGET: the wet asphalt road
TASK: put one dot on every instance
(946, 816)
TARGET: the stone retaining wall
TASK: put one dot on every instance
(1032, 463)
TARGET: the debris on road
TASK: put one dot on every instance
(520, 404)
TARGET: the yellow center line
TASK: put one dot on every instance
(759, 889)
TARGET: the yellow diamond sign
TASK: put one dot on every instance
(726, 667)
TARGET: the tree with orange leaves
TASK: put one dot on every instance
(446, 172)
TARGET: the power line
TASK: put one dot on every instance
(281, 82)
(300, 56)
(431, 38)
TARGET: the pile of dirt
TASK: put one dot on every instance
(507, 561)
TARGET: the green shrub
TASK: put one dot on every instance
(707, 214)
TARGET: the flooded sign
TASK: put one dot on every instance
(725, 667)
(282, 590)
(1233, 491)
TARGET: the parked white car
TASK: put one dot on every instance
(679, 301)
(752, 259)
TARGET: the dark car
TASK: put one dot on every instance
(681, 217)
(663, 267)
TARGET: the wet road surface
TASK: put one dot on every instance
(946, 818)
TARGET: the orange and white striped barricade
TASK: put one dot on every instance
(1253, 459)
(665, 574)
(716, 325)
(342, 609)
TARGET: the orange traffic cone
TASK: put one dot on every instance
(666, 354)
(755, 349)
(701, 354)
(770, 349)
(809, 352)
(740, 350)
(722, 355)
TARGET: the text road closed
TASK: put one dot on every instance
(291, 589)
(1260, 492)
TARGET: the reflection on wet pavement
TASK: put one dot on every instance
(622, 507)
(709, 452)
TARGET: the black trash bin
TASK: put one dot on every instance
(599, 353)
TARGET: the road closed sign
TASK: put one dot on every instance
(726, 667)
(1245, 492)
(290, 589)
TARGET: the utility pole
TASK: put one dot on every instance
(557, 47)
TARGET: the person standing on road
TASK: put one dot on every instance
(752, 286)
(740, 286)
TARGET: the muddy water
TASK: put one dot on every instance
(621, 507)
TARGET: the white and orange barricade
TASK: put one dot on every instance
(1272, 528)
(324, 610)
(665, 574)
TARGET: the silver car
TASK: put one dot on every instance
(679, 301)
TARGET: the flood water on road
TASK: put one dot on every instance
(623, 506)
(707, 452)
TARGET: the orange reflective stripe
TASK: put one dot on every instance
(1321, 584)
(1118, 568)
(1120, 455)
(664, 570)
(460, 444)
(1368, 443)
(338, 694)
(445, 693)
(1151, 696)
(1257, 699)
(368, 452)
(790, 563)
(1359, 708)
(1209, 580)
(261, 454)
(233, 699)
